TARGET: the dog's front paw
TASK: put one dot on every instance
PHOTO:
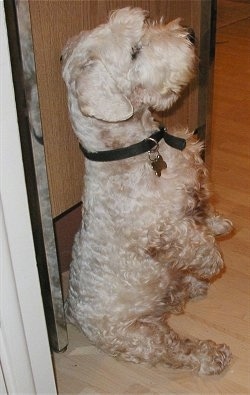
(210, 263)
(219, 225)
(213, 357)
(195, 287)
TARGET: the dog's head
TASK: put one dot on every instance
(128, 64)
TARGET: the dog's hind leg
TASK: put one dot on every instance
(150, 339)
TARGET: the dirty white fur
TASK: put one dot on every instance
(147, 243)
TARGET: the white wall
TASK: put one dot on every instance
(26, 366)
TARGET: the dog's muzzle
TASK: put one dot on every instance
(191, 35)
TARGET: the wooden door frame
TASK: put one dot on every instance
(26, 365)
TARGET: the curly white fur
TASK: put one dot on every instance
(146, 244)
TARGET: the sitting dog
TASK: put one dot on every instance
(147, 243)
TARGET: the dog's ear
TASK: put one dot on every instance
(98, 95)
(175, 24)
(131, 19)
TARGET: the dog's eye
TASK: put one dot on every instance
(135, 51)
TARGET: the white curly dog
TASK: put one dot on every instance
(147, 243)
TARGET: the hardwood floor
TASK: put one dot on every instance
(224, 315)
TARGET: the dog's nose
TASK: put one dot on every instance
(191, 35)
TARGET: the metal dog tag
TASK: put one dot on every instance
(156, 160)
(158, 164)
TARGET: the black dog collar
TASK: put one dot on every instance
(136, 149)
